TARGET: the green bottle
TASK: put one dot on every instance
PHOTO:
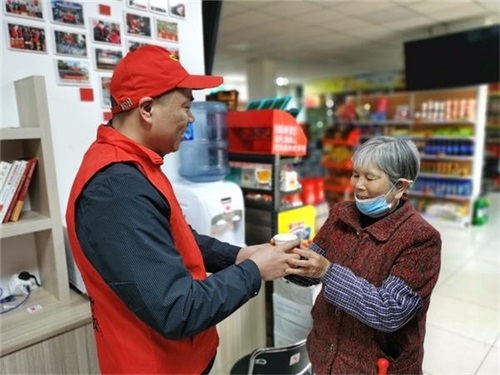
(481, 206)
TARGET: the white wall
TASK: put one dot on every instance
(74, 123)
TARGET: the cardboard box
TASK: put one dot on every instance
(265, 131)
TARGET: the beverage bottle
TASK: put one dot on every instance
(204, 150)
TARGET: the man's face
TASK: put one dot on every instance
(170, 115)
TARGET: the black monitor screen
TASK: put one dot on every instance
(459, 59)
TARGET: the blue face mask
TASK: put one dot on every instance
(374, 207)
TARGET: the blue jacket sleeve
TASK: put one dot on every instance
(123, 228)
(217, 255)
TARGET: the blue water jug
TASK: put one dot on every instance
(203, 151)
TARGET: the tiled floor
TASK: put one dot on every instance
(463, 323)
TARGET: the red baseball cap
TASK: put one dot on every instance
(151, 71)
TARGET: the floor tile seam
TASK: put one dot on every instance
(486, 356)
(474, 303)
(461, 268)
(455, 298)
(452, 273)
(475, 340)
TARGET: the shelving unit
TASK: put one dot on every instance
(448, 127)
(262, 219)
(59, 310)
(262, 216)
(492, 141)
(338, 164)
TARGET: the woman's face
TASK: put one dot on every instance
(370, 182)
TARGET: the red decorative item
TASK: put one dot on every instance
(86, 94)
(105, 10)
(107, 116)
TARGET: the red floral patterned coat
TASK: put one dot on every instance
(401, 244)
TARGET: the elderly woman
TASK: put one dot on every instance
(378, 261)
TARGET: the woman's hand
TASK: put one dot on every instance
(310, 264)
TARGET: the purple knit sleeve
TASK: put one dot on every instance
(386, 308)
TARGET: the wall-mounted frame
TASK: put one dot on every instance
(70, 43)
(166, 31)
(132, 44)
(137, 25)
(32, 9)
(26, 38)
(106, 59)
(105, 31)
(68, 13)
(138, 4)
(72, 72)
(177, 8)
(104, 81)
(159, 6)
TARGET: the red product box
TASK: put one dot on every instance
(265, 131)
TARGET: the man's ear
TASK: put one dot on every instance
(145, 108)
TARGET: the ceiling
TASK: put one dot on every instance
(314, 39)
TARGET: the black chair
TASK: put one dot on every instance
(288, 360)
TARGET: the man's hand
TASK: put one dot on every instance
(274, 260)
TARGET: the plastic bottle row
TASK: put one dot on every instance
(443, 187)
(456, 109)
(449, 147)
(449, 168)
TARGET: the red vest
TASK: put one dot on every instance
(124, 343)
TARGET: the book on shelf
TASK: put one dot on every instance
(10, 186)
(23, 193)
(4, 171)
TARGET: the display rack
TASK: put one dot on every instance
(492, 141)
(448, 127)
(262, 216)
(51, 309)
(262, 219)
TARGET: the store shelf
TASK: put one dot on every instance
(444, 176)
(447, 157)
(415, 193)
(31, 222)
(449, 136)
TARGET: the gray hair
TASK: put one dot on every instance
(398, 158)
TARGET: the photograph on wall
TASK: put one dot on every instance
(107, 59)
(138, 4)
(166, 30)
(67, 12)
(27, 8)
(177, 8)
(68, 43)
(72, 72)
(104, 82)
(104, 31)
(159, 6)
(26, 38)
(132, 45)
(137, 25)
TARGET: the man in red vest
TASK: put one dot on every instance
(154, 308)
